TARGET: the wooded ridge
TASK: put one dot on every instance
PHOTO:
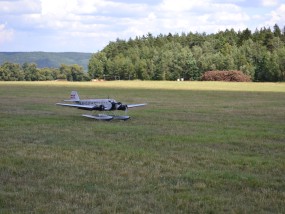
(47, 59)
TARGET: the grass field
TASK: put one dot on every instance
(198, 147)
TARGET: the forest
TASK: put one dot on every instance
(30, 72)
(259, 54)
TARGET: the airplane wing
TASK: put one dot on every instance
(86, 107)
(136, 105)
(95, 107)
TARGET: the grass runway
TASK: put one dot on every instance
(201, 147)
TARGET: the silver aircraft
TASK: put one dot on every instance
(99, 105)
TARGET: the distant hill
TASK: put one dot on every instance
(47, 59)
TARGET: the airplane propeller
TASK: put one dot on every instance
(126, 110)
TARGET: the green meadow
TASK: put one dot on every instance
(197, 147)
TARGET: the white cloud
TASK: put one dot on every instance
(85, 14)
(197, 6)
(58, 8)
(206, 16)
(91, 24)
(19, 7)
(6, 35)
(181, 5)
(83, 20)
(277, 16)
(228, 17)
(269, 3)
(87, 6)
(109, 20)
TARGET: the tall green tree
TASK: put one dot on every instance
(97, 65)
(11, 72)
(31, 72)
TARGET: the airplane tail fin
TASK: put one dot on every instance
(74, 97)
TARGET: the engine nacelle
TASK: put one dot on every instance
(122, 107)
(118, 106)
(99, 108)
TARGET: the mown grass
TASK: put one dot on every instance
(197, 147)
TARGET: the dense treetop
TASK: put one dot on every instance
(260, 54)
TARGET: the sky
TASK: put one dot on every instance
(89, 25)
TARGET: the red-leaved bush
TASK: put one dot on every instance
(229, 76)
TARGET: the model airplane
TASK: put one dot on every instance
(99, 105)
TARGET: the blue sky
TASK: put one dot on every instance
(89, 25)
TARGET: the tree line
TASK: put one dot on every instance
(259, 54)
(30, 72)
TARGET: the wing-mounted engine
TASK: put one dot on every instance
(99, 108)
(118, 106)
(123, 107)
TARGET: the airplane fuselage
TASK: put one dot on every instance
(92, 102)
(102, 104)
